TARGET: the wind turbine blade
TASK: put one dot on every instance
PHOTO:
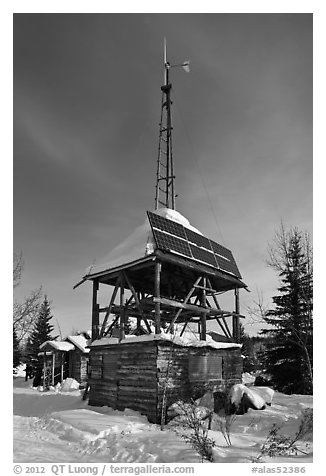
(186, 66)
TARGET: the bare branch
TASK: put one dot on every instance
(18, 268)
(25, 313)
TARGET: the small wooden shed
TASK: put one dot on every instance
(67, 358)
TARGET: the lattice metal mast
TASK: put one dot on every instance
(165, 191)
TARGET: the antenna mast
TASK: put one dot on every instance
(165, 195)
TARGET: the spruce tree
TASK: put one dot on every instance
(288, 357)
(42, 330)
(16, 350)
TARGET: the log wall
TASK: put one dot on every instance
(78, 366)
(136, 375)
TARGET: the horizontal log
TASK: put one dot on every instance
(144, 369)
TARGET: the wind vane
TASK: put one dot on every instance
(165, 194)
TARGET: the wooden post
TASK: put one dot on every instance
(122, 309)
(95, 312)
(44, 369)
(235, 319)
(62, 362)
(158, 267)
(53, 367)
(105, 331)
(203, 316)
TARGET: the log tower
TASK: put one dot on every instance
(171, 286)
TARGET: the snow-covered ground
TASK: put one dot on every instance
(57, 426)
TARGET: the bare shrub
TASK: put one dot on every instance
(224, 422)
(283, 445)
(196, 431)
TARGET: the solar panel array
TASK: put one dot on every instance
(175, 238)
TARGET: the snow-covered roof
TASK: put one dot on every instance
(70, 343)
(139, 244)
(58, 345)
(187, 340)
(79, 341)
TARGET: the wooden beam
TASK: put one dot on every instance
(62, 362)
(122, 311)
(203, 316)
(188, 307)
(227, 327)
(235, 318)
(53, 367)
(210, 289)
(188, 320)
(158, 267)
(183, 304)
(44, 368)
(132, 289)
(214, 297)
(95, 313)
(108, 312)
(113, 323)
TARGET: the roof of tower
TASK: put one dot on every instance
(138, 244)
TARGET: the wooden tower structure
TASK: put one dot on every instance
(173, 285)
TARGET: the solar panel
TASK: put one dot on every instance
(203, 255)
(228, 265)
(166, 225)
(220, 250)
(197, 239)
(171, 243)
(175, 238)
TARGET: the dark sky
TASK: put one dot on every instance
(86, 112)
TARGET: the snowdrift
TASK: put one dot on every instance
(60, 426)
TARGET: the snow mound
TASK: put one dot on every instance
(241, 396)
(69, 384)
(19, 371)
(266, 393)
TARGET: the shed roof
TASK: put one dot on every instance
(69, 343)
(80, 342)
(58, 345)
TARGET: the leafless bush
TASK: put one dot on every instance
(196, 431)
(282, 445)
(224, 423)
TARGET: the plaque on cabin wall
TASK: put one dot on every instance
(205, 367)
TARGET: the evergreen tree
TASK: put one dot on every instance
(16, 350)
(251, 346)
(41, 331)
(288, 357)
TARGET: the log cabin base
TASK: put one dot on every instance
(139, 375)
